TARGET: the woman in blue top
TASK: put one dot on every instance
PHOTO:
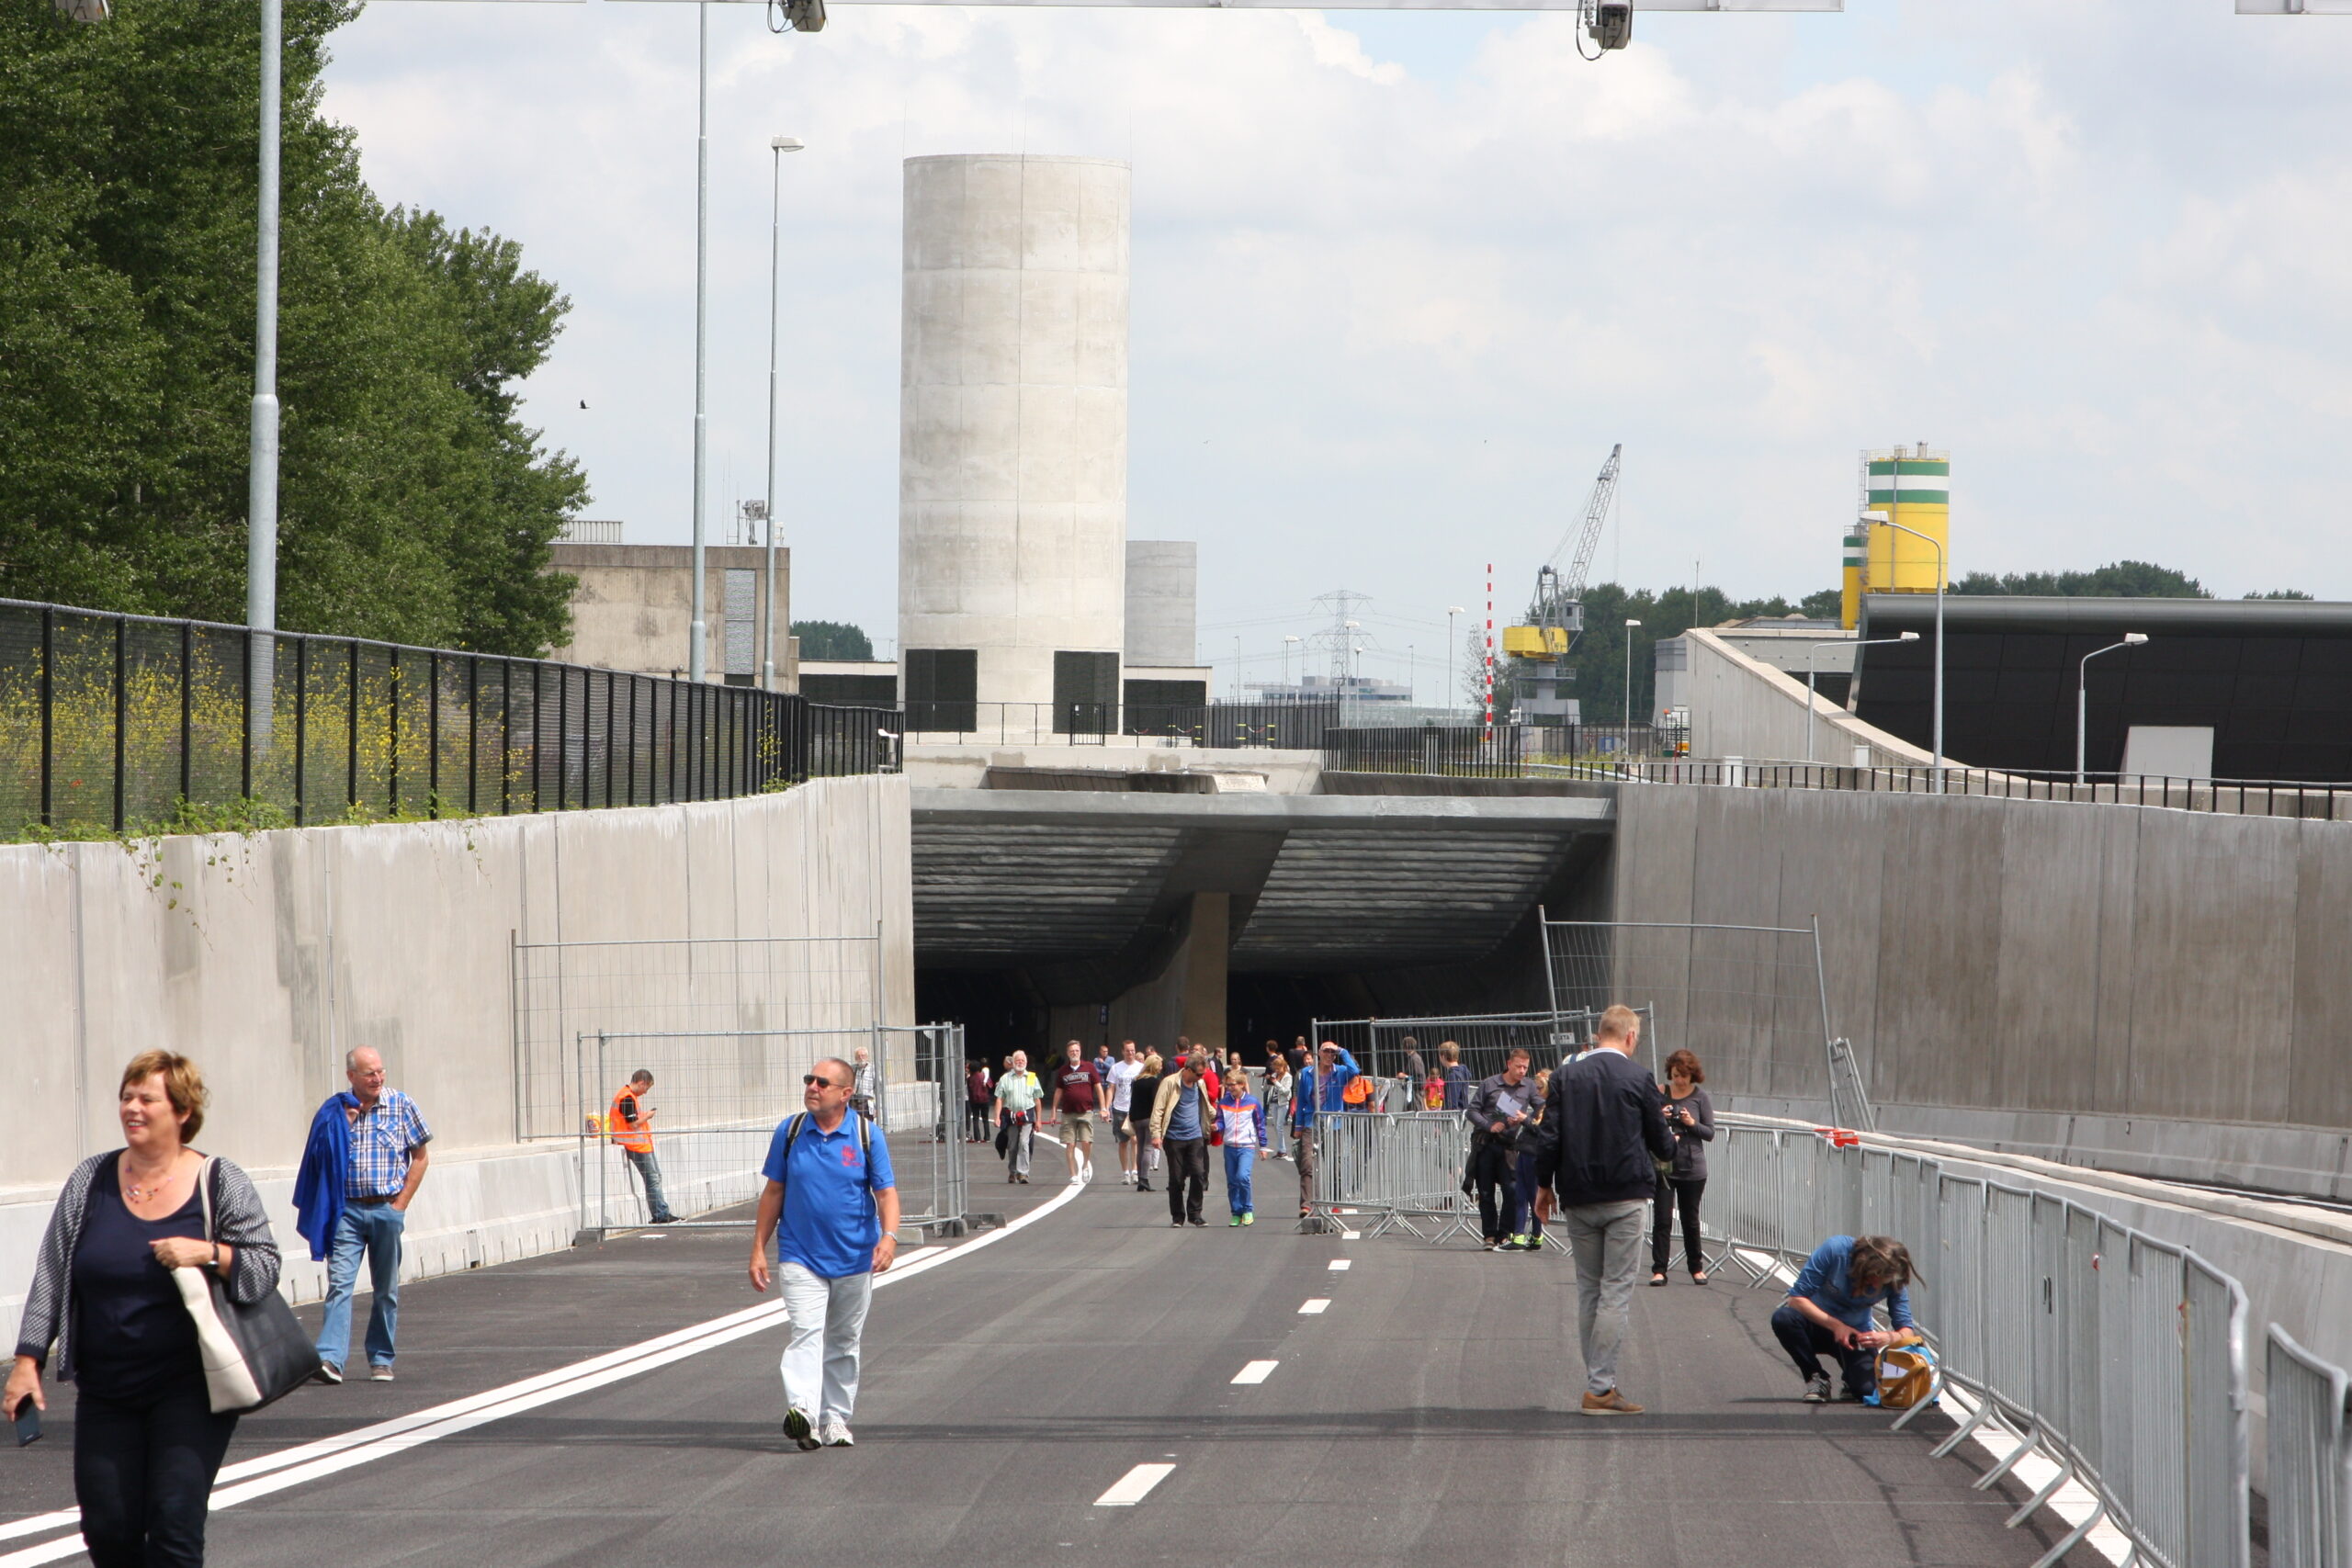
(1242, 1121)
(1829, 1308)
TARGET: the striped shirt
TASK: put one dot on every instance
(382, 1137)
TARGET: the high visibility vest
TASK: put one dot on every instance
(637, 1139)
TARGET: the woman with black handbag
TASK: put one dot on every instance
(147, 1437)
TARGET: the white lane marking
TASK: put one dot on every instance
(1256, 1372)
(1342, 1263)
(1351, 1235)
(1317, 1305)
(311, 1461)
(1134, 1486)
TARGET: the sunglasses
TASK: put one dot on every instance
(813, 1078)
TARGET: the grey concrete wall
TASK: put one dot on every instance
(1163, 593)
(634, 607)
(265, 958)
(2057, 976)
(1742, 707)
(1012, 454)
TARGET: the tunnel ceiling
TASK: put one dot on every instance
(1006, 878)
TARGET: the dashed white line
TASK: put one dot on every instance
(1256, 1372)
(1134, 1486)
(1351, 1235)
(1317, 1305)
(1341, 1263)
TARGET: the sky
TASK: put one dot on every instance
(1401, 279)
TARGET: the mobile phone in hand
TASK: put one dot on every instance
(28, 1423)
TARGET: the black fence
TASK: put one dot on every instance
(118, 723)
(1506, 751)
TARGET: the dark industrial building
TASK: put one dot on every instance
(2271, 682)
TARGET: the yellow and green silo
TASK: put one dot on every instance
(1910, 486)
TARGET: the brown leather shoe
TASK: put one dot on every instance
(1610, 1404)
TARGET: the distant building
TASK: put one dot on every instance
(633, 606)
(1781, 641)
(1351, 689)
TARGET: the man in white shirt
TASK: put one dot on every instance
(1123, 1076)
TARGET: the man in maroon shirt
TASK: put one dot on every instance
(1076, 1092)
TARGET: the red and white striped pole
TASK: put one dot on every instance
(1490, 650)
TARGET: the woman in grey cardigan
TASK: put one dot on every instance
(1690, 1117)
(146, 1443)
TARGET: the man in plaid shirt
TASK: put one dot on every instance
(386, 1165)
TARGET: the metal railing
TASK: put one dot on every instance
(2118, 1357)
(1294, 726)
(2310, 1455)
(1380, 1044)
(1377, 1171)
(116, 723)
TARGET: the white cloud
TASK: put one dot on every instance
(1389, 315)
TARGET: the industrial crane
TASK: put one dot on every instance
(1556, 613)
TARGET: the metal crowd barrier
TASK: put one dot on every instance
(2118, 1357)
(1375, 1171)
(2311, 1458)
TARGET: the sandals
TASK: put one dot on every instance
(1658, 1277)
(1698, 1276)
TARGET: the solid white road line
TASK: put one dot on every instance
(310, 1461)
(1134, 1486)
(1342, 1263)
(1256, 1372)
(1317, 1305)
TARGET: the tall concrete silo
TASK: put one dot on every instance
(1012, 439)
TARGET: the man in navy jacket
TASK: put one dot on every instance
(1604, 1130)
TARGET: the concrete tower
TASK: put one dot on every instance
(1012, 439)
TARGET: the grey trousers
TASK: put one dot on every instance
(1606, 1241)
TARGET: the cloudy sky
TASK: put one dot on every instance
(1401, 279)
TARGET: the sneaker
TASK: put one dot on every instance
(328, 1372)
(797, 1427)
(381, 1373)
(1610, 1404)
(1143, 1185)
(1236, 1222)
(1178, 1223)
(836, 1436)
(1203, 1224)
(1816, 1389)
(1249, 1217)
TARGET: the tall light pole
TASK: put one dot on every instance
(1809, 673)
(1450, 611)
(261, 449)
(1629, 683)
(696, 627)
(1936, 545)
(2082, 695)
(777, 147)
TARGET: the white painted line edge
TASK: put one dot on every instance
(1341, 1263)
(1134, 1486)
(1351, 1235)
(1318, 1304)
(1256, 1372)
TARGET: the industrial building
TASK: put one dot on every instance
(633, 609)
(1901, 540)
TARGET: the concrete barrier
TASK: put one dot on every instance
(265, 958)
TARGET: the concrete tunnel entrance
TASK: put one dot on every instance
(1042, 917)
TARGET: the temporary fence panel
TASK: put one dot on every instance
(704, 986)
(922, 1109)
(1376, 1172)
(115, 722)
(2118, 1356)
(1751, 1001)
(2310, 1459)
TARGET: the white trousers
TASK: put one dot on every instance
(820, 1358)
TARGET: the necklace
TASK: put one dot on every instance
(139, 1194)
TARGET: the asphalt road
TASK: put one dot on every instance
(1423, 1417)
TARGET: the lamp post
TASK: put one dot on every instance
(1629, 683)
(777, 146)
(1287, 640)
(696, 631)
(1841, 642)
(2082, 695)
(1937, 546)
(261, 449)
(1450, 611)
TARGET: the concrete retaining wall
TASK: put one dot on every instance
(265, 958)
(2145, 983)
(1743, 708)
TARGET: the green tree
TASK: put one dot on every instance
(832, 640)
(2119, 580)
(415, 506)
(2281, 594)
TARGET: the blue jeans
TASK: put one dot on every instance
(649, 1171)
(1238, 1163)
(372, 1231)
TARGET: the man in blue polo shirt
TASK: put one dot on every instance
(833, 1205)
(1829, 1308)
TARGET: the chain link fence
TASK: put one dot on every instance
(118, 723)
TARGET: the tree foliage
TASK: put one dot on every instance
(832, 640)
(415, 506)
(2118, 579)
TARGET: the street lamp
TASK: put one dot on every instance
(695, 631)
(2082, 693)
(1450, 611)
(1841, 642)
(1287, 640)
(261, 448)
(1629, 683)
(1936, 545)
(777, 146)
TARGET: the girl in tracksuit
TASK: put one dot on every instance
(1241, 1120)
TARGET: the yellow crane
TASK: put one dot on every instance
(1555, 615)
